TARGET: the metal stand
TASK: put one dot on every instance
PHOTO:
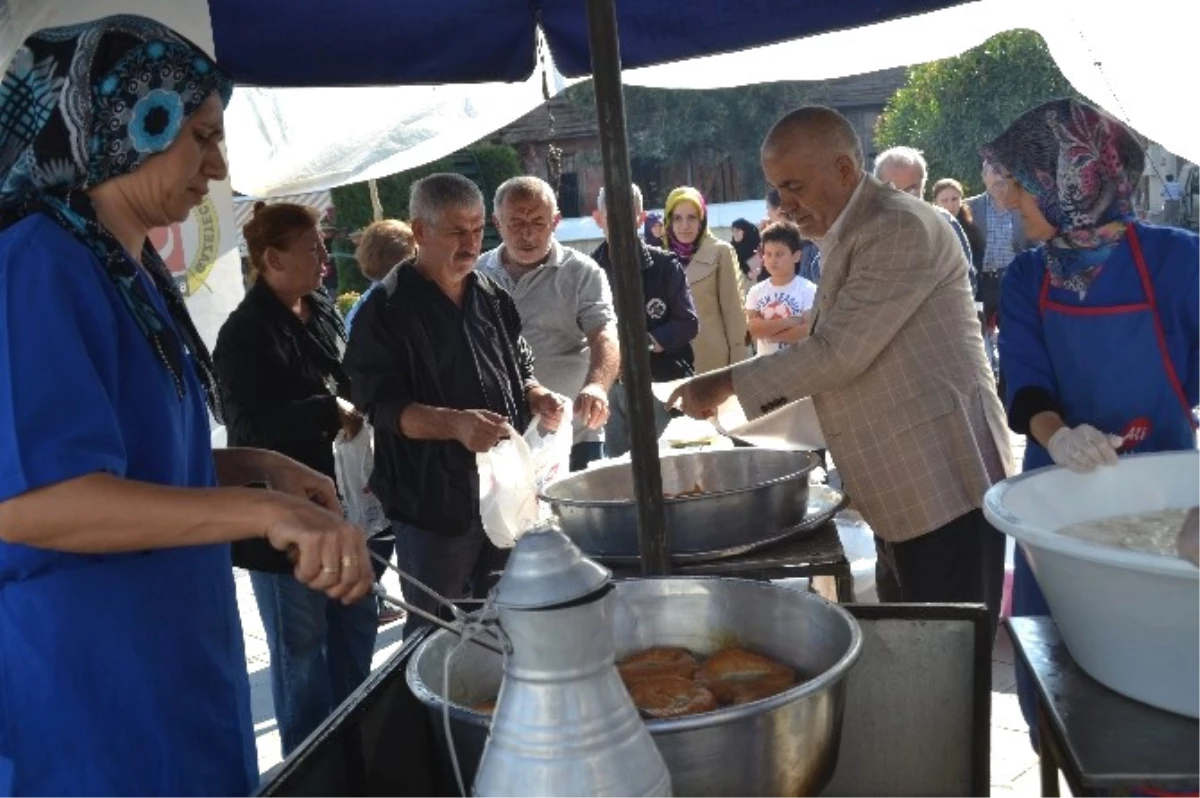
(627, 286)
(1103, 742)
(818, 557)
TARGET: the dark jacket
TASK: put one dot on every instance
(670, 312)
(433, 484)
(275, 374)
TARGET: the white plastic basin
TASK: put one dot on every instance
(1130, 619)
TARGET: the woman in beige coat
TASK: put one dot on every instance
(714, 279)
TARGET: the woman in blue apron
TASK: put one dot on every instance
(1099, 324)
(122, 670)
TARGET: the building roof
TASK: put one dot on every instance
(573, 121)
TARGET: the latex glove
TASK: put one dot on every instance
(1189, 537)
(1083, 448)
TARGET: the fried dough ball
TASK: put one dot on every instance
(670, 697)
(658, 661)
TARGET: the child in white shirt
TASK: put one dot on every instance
(777, 309)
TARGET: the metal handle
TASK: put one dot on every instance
(445, 602)
(378, 591)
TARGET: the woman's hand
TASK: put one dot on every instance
(285, 475)
(352, 420)
(1083, 448)
(329, 554)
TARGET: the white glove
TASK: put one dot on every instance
(1083, 448)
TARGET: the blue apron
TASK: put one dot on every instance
(127, 676)
(1112, 371)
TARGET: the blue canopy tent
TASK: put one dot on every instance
(370, 42)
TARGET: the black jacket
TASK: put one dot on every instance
(275, 373)
(393, 362)
(670, 312)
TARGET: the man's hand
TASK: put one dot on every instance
(547, 406)
(285, 475)
(479, 430)
(700, 396)
(592, 405)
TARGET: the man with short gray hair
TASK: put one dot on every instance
(438, 362)
(904, 169)
(565, 304)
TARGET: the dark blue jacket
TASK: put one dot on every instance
(670, 312)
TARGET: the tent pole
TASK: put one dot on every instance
(625, 256)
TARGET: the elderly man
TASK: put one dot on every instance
(438, 362)
(671, 323)
(565, 303)
(895, 365)
(904, 169)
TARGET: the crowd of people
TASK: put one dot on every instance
(854, 291)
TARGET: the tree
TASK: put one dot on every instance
(671, 128)
(949, 108)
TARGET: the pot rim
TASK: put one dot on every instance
(803, 472)
(827, 679)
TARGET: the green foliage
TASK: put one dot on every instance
(487, 164)
(667, 127)
(346, 301)
(350, 278)
(496, 163)
(949, 108)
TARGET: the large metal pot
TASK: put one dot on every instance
(750, 495)
(783, 745)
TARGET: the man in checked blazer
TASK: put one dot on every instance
(894, 362)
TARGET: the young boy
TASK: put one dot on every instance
(777, 309)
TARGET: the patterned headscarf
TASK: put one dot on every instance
(81, 104)
(682, 250)
(1082, 166)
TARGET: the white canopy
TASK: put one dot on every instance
(289, 140)
(284, 141)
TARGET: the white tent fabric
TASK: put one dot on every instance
(289, 140)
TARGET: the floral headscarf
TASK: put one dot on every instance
(81, 104)
(686, 194)
(1082, 166)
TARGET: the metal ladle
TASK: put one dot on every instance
(456, 628)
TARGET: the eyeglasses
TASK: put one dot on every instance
(914, 191)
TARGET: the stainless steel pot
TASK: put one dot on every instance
(783, 745)
(750, 495)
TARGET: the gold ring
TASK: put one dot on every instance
(347, 563)
(325, 569)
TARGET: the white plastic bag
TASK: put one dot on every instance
(353, 462)
(513, 473)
